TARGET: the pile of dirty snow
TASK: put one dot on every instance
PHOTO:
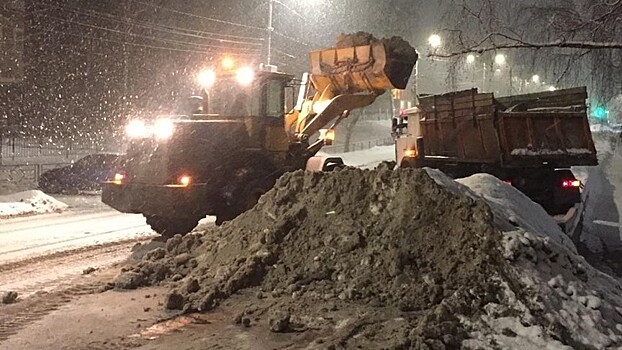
(28, 203)
(385, 258)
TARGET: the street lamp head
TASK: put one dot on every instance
(500, 59)
(435, 40)
(552, 88)
(535, 78)
(470, 58)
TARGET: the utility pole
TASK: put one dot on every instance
(510, 92)
(125, 57)
(270, 30)
(484, 77)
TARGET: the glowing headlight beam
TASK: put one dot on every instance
(136, 129)
(163, 128)
(207, 78)
(245, 76)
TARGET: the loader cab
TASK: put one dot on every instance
(245, 94)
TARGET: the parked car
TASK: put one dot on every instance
(86, 174)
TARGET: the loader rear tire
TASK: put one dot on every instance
(169, 227)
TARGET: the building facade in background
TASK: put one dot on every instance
(11, 41)
(12, 26)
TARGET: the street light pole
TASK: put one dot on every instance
(270, 29)
(484, 77)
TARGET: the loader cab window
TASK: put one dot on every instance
(241, 105)
(275, 105)
(228, 99)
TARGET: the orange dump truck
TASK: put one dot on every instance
(530, 141)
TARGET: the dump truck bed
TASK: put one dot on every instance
(542, 129)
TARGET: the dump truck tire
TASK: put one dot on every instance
(169, 227)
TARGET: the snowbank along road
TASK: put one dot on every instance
(44, 251)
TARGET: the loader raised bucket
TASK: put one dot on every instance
(374, 67)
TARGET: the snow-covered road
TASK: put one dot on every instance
(44, 252)
(48, 251)
(24, 238)
(603, 189)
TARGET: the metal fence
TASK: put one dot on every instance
(15, 151)
(371, 115)
(25, 174)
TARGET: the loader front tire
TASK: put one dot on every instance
(169, 227)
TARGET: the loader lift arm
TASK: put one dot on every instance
(344, 79)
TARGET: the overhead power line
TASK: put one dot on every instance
(196, 45)
(201, 17)
(290, 38)
(230, 38)
(145, 45)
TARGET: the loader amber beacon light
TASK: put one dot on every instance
(410, 153)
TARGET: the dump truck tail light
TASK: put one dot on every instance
(571, 183)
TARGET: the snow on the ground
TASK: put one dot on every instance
(508, 202)
(558, 289)
(602, 195)
(28, 203)
(604, 128)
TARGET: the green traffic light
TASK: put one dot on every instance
(600, 113)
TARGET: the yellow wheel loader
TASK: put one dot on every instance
(219, 159)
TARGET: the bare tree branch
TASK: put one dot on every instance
(520, 44)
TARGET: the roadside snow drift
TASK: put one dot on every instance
(28, 203)
(386, 258)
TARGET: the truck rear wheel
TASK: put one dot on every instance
(169, 227)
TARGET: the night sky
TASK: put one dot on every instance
(84, 67)
(90, 64)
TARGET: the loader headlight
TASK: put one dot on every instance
(245, 76)
(136, 129)
(182, 181)
(207, 78)
(163, 129)
(119, 178)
